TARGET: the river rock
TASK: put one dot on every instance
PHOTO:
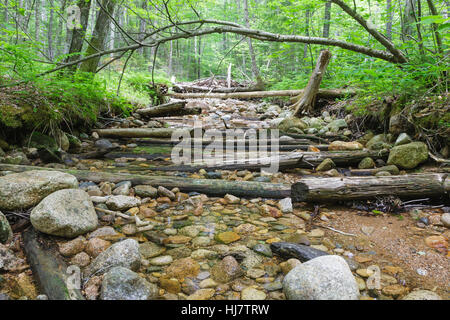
(322, 278)
(182, 268)
(145, 191)
(422, 295)
(325, 165)
(26, 189)
(226, 270)
(366, 163)
(378, 142)
(292, 123)
(8, 260)
(250, 293)
(5, 229)
(342, 146)
(121, 254)
(286, 205)
(445, 219)
(123, 284)
(122, 202)
(403, 138)
(65, 213)
(72, 247)
(408, 156)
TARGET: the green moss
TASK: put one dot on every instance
(152, 150)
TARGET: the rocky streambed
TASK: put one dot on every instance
(138, 241)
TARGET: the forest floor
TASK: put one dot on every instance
(201, 247)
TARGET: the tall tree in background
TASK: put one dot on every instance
(327, 20)
(390, 17)
(101, 29)
(255, 69)
(78, 34)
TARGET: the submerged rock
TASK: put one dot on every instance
(26, 189)
(121, 254)
(288, 124)
(123, 284)
(322, 278)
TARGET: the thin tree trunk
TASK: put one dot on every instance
(77, 35)
(98, 37)
(390, 17)
(434, 12)
(170, 66)
(305, 48)
(327, 20)
(50, 32)
(255, 70)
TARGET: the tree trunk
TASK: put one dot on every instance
(390, 18)
(97, 41)
(255, 70)
(361, 188)
(49, 269)
(307, 100)
(50, 33)
(213, 187)
(327, 20)
(78, 35)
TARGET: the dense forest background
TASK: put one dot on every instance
(384, 48)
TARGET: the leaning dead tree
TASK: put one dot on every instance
(307, 99)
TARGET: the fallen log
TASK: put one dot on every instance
(136, 132)
(212, 187)
(285, 161)
(361, 188)
(49, 269)
(195, 89)
(324, 93)
(173, 108)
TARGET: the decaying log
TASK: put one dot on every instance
(212, 187)
(307, 99)
(173, 108)
(325, 94)
(200, 89)
(136, 132)
(49, 268)
(361, 188)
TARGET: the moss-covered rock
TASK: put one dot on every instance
(366, 163)
(378, 142)
(5, 229)
(409, 156)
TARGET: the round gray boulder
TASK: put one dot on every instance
(322, 278)
(26, 189)
(66, 213)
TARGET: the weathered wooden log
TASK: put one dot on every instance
(325, 93)
(213, 187)
(307, 99)
(178, 88)
(173, 108)
(136, 132)
(49, 269)
(285, 161)
(361, 188)
(208, 141)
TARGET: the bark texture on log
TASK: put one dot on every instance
(326, 94)
(285, 161)
(360, 188)
(174, 108)
(208, 186)
(49, 269)
(136, 132)
(307, 99)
